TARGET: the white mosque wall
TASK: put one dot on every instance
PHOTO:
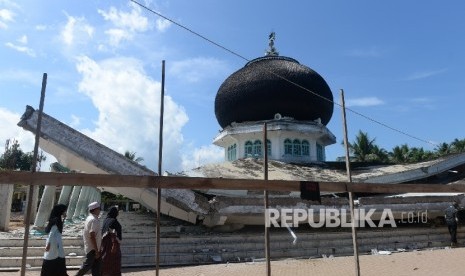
(317, 136)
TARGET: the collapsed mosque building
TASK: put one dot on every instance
(297, 104)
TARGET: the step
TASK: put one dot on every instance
(188, 249)
(36, 251)
(37, 242)
(36, 261)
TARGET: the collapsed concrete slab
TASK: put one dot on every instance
(217, 207)
(83, 154)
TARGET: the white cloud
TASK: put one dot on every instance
(118, 35)
(133, 21)
(21, 49)
(128, 102)
(162, 24)
(76, 31)
(23, 39)
(6, 16)
(10, 130)
(367, 101)
(204, 155)
(75, 121)
(197, 69)
(425, 74)
(125, 24)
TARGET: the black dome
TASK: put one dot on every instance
(258, 91)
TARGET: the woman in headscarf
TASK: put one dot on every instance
(54, 263)
(111, 238)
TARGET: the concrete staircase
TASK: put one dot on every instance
(183, 244)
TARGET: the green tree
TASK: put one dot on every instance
(458, 146)
(364, 149)
(378, 154)
(13, 158)
(419, 155)
(443, 149)
(399, 154)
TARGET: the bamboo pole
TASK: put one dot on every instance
(351, 196)
(160, 158)
(266, 203)
(27, 220)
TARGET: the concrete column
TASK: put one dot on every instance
(99, 196)
(45, 207)
(35, 199)
(6, 195)
(65, 195)
(95, 194)
(81, 204)
(73, 202)
(84, 212)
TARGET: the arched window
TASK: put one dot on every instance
(296, 148)
(257, 148)
(320, 154)
(268, 147)
(288, 147)
(305, 148)
(232, 152)
(248, 149)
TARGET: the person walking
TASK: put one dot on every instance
(54, 263)
(111, 239)
(92, 239)
(451, 221)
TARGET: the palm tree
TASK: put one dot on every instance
(378, 154)
(443, 149)
(364, 149)
(132, 156)
(458, 145)
(399, 154)
(419, 155)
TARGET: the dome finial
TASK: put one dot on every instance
(272, 50)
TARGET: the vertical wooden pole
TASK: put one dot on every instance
(351, 199)
(160, 158)
(27, 220)
(265, 176)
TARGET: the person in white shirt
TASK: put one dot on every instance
(54, 263)
(92, 236)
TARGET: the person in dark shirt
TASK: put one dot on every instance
(451, 221)
(111, 250)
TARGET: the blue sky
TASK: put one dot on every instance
(400, 63)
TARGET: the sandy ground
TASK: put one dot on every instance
(447, 261)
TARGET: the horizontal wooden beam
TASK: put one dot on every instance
(200, 183)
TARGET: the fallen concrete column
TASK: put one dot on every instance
(35, 199)
(82, 201)
(73, 202)
(45, 207)
(78, 152)
(65, 195)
